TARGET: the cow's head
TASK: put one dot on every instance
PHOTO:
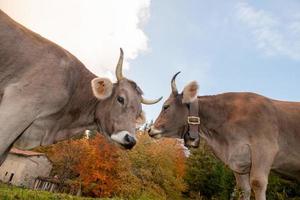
(172, 120)
(119, 110)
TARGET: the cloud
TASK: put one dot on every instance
(91, 30)
(273, 35)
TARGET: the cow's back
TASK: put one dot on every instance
(25, 54)
(18, 47)
(54, 80)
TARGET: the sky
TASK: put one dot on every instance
(226, 46)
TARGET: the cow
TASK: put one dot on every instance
(250, 133)
(48, 95)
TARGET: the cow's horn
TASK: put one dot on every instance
(149, 102)
(119, 74)
(173, 84)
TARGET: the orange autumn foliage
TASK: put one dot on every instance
(91, 162)
(152, 167)
(157, 167)
(97, 167)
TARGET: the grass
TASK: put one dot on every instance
(9, 192)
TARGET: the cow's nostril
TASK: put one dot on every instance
(129, 140)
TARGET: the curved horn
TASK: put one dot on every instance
(150, 102)
(173, 84)
(119, 74)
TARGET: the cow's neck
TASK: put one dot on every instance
(79, 113)
(213, 113)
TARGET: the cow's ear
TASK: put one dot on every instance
(102, 88)
(141, 119)
(190, 92)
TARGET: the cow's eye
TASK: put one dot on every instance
(120, 100)
(165, 107)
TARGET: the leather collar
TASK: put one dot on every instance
(193, 120)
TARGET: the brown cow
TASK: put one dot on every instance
(47, 94)
(250, 133)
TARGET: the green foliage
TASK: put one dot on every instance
(282, 189)
(151, 170)
(155, 170)
(207, 176)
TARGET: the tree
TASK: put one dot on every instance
(97, 167)
(65, 156)
(208, 176)
(157, 167)
(151, 170)
(88, 162)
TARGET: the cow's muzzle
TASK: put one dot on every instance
(124, 138)
(129, 142)
(155, 133)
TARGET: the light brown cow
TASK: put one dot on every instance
(47, 94)
(250, 133)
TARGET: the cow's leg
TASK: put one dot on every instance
(259, 183)
(262, 159)
(243, 183)
(17, 112)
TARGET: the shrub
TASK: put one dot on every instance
(207, 176)
(151, 170)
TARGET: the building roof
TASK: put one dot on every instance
(25, 152)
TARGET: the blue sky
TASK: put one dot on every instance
(225, 45)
